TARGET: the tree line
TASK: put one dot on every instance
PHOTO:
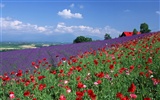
(144, 28)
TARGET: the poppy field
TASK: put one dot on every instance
(128, 70)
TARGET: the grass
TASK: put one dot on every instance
(128, 71)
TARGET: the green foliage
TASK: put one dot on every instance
(107, 36)
(80, 39)
(134, 31)
(144, 28)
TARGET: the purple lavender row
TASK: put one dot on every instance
(22, 59)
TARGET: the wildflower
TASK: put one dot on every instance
(62, 97)
(131, 67)
(81, 85)
(53, 72)
(19, 74)
(44, 59)
(61, 71)
(99, 81)
(6, 78)
(68, 90)
(33, 63)
(119, 95)
(78, 78)
(41, 87)
(91, 94)
(149, 60)
(79, 93)
(115, 75)
(111, 67)
(132, 88)
(133, 96)
(41, 77)
(122, 70)
(95, 62)
(147, 98)
(26, 93)
(11, 95)
(65, 82)
(100, 75)
(155, 81)
(141, 73)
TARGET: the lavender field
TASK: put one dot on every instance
(22, 59)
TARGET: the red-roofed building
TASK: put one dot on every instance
(128, 34)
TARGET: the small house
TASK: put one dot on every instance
(128, 34)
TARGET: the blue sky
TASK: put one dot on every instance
(64, 20)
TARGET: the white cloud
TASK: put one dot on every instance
(113, 32)
(1, 5)
(86, 30)
(67, 14)
(81, 6)
(127, 10)
(9, 24)
(158, 12)
(72, 5)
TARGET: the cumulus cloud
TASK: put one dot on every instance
(86, 30)
(12, 26)
(158, 12)
(68, 14)
(1, 5)
(62, 28)
(113, 32)
(72, 5)
(9, 24)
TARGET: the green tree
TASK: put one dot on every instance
(80, 39)
(144, 28)
(134, 31)
(107, 36)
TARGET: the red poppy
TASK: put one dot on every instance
(80, 85)
(27, 83)
(62, 97)
(33, 63)
(41, 87)
(149, 60)
(78, 68)
(91, 94)
(19, 74)
(111, 67)
(78, 78)
(5, 78)
(53, 72)
(79, 93)
(11, 95)
(122, 70)
(131, 67)
(41, 77)
(61, 71)
(95, 62)
(141, 73)
(26, 93)
(100, 75)
(44, 59)
(119, 95)
(132, 88)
